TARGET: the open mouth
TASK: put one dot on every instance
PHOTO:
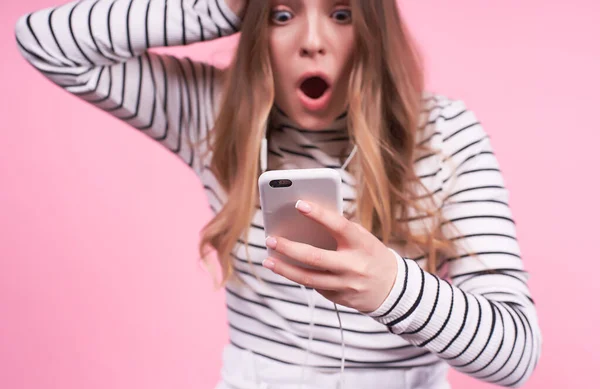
(314, 87)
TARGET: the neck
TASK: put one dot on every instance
(280, 119)
(304, 147)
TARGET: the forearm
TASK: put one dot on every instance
(88, 33)
(495, 341)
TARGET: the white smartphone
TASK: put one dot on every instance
(281, 189)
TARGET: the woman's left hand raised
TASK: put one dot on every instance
(359, 274)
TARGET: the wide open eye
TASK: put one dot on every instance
(342, 15)
(281, 16)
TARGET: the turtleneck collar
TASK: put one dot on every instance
(291, 146)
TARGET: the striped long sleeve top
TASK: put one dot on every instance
(477, 314)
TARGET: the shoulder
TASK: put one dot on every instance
(449, 125)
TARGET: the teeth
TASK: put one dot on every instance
(314, 87)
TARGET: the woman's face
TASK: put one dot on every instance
(311, 44)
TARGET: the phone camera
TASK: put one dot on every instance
(280, 183)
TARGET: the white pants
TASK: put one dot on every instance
(245, 370)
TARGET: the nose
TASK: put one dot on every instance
(313, 43)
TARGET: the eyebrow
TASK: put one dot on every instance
(298, 3)
(290, 3)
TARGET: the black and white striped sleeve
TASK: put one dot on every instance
(484, 322)
(98, 51)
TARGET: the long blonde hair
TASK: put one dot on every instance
(385, 96)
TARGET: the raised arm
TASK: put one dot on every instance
(98, 51)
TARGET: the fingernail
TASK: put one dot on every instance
(268, 264)
(271, 242)
(302, 206)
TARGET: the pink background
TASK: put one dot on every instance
(99, 286)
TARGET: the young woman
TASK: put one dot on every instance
(428, 270)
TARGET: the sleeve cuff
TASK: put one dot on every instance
(398, 309)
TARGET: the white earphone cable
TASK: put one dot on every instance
(311, 301)
(311, 306)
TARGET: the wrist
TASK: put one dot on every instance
(390, 301)
(385, 281)
(237, 6)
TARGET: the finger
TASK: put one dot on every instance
(309, 278)
(336, 224)
(306, 254)
(361, 228)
